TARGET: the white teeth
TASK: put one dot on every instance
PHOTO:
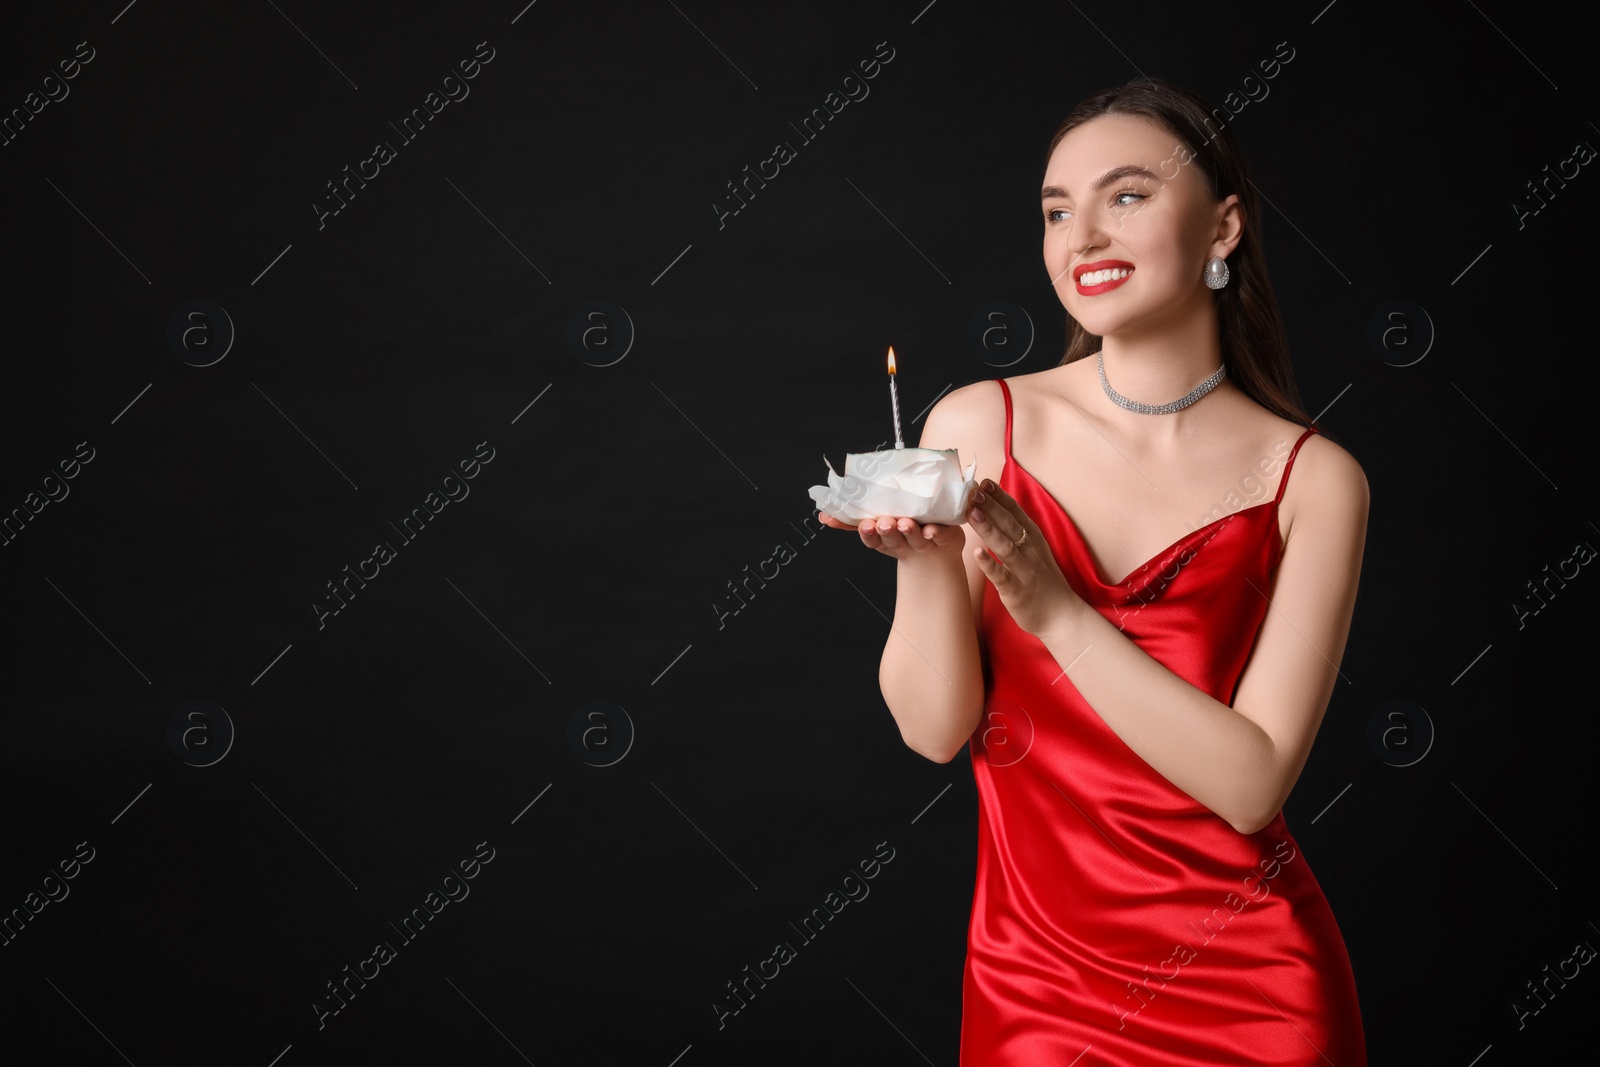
(1095, 277)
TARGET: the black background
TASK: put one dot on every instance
(758, 762)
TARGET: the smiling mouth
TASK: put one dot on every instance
(1093, 282)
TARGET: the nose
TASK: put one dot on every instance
(1083, 233)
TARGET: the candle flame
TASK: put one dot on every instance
(891, 359)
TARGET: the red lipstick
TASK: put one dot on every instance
(1103, 264)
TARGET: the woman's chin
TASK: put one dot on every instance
(1099, 325)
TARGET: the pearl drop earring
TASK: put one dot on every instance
(1216, 273)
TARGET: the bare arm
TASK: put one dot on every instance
(931, 673)
(1242, 761)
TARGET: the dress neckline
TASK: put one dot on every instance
(1093, 568)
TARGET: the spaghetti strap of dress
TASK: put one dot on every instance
(1005, 391)
(1289, 466)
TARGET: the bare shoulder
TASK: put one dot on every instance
(1327, 486)
(969, 403)
(972, 420)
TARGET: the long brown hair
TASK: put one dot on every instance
(1254, 347)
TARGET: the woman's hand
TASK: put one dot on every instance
(904, 538)
(1030, 582)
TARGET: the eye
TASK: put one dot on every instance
(1051, 214)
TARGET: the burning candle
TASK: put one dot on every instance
(926, 484)
(894, 401)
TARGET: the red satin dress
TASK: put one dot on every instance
(1116, 921)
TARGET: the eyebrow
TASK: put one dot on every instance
(1126, 170)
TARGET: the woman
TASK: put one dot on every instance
(1139, 898)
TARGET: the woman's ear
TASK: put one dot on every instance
(1230, 226)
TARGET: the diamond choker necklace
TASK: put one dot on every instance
(1158, 409)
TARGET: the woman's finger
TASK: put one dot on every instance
(890, 534)
(918, 537)
(999, 520)
(897, 534)
(994, 542)
(995, 524)
(999, 505)
(993, 489)
(979, 518)
(991, 567)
